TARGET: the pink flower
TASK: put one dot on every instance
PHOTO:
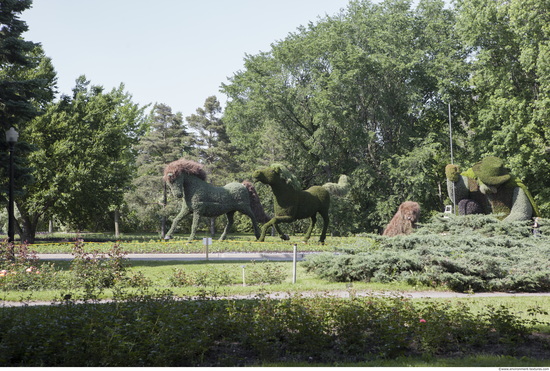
(422, 320)
(3, 273)
(28, 270)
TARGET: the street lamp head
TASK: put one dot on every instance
(12, 136)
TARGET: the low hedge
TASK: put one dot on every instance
(161, 331)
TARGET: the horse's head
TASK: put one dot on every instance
(276, 174)
(175, 184)
(175, 172)
(266, 175)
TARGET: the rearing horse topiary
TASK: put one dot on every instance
(187, 180)
(292, 203)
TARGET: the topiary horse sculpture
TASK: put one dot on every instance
(292, 203)
(187, 180)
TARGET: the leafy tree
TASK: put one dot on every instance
(81, 165)
(167, 139)
(511, 80)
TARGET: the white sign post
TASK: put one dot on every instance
(206, 242)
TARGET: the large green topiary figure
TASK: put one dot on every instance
(187, 181)
(293, 203)
(489, 188)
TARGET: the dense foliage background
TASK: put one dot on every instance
(366, 92)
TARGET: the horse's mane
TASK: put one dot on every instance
(183, 166)
(287, 176)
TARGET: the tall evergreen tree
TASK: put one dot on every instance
(27, 84)
(214, 146)
(17, 90)
(166, 140)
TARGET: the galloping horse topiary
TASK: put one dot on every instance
(187, 180)
(292, 203)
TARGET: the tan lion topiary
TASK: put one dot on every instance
(405, 219)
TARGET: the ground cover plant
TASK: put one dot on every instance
(465, 254)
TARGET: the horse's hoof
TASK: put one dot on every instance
(166, 238)
(285, 237)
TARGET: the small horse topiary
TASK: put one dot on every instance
(292, 203)
(187, 180)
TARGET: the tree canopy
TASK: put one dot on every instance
(83, 159)
(361, 93)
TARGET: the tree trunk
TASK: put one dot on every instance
(163, 219)
(213, 226)
(28, 232)
(117, 218)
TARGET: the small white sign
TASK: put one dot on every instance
(207, 241)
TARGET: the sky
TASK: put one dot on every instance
(175, 52)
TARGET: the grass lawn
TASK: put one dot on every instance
(469, 361)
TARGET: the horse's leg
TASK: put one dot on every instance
(325, 227)
(196, 217)
(275, 222)
(184, 211)
(230, 218)
(247, 211)
(283, 235)
(264, 229)
(310, 229)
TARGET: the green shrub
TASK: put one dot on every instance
(470, 253)
(160, 331)
(211, 278)
(95, 271)
(265, 274)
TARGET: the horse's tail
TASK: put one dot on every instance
(339, 189)
(255, 203)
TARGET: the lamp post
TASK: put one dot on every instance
(11, 139)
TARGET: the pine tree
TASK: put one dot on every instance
(167, 140)
(215, 148)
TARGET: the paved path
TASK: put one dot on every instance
(211, 256)
(337, 294)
